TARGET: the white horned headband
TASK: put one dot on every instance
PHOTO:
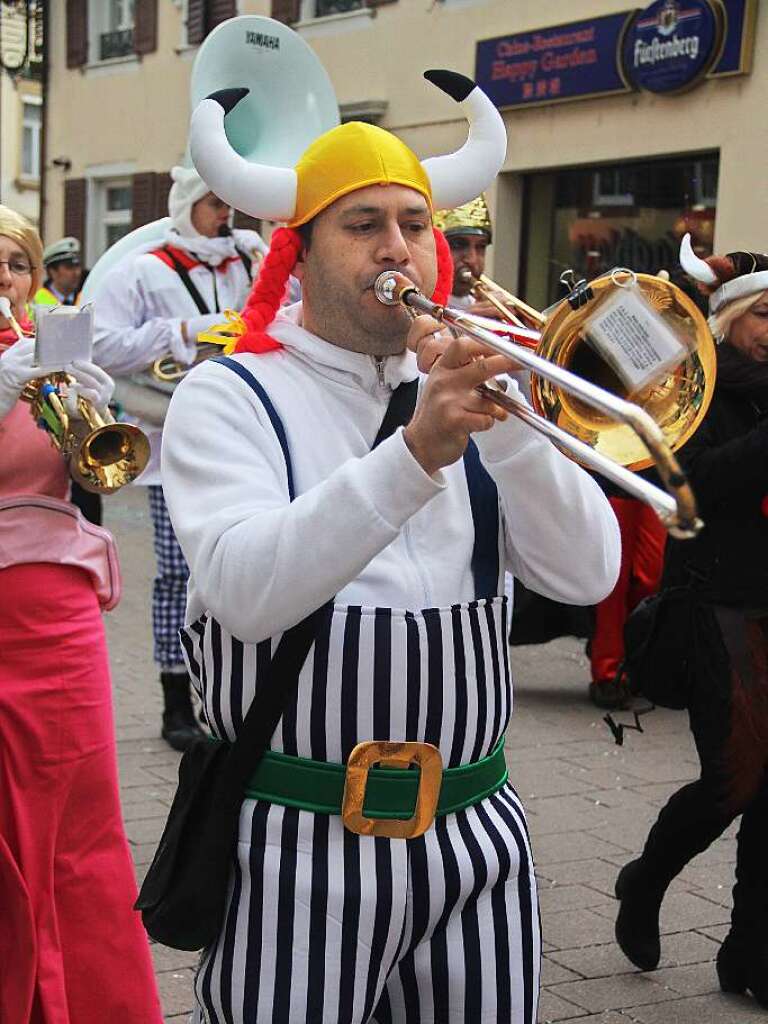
(745, 282)
(347, 158)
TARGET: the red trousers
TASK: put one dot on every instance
(72, 949)
(642, 560)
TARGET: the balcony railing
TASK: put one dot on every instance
(325, 7)
(116, 44)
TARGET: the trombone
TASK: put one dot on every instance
(510, 308)
(675, 506)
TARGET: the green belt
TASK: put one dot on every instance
(391, 792)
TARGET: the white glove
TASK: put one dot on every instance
(185, 352)
(91, 383)
(16, 370)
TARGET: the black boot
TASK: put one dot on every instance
(180, 727)
(637, 925)
(742, 967)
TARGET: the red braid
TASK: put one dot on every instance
(269, 289)
(444, 283)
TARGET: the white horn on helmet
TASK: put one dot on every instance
(694, 266)
(268, 193)
(461, 176)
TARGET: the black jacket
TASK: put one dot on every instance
(727, 464)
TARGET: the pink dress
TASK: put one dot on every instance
(72, 949)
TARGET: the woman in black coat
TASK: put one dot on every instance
(727, 565)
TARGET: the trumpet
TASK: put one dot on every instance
(581, 417)
(511, 309)
(101, 455)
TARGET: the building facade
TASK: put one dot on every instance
(21, 107)
(606, 163)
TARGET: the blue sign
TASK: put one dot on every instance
(670, 45)
(566, 62)
(739, 41)
(652, 49)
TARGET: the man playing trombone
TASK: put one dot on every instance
(402, 537)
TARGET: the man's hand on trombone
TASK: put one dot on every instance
(450, 408)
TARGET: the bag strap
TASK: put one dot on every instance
(186, 280)
(399, 411)
(282, 677)
(247, 262)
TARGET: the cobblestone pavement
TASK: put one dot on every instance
(589, 804)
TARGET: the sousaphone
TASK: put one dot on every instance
(290, 102)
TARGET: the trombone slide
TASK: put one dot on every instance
(392, 288)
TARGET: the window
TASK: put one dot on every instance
(325, 7)
(612, 186)
(592, 219)
(310, 9)
(30, 138)
(110, 213)
(112, 25)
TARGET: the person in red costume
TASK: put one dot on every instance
(72, 950)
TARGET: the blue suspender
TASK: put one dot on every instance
(277, 423)
(484, 502)
(483, 496)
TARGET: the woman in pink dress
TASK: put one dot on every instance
(72, 950)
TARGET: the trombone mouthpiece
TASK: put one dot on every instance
(466, 276)
(391, 288)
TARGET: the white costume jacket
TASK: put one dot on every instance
(141, 303)
(371, 527)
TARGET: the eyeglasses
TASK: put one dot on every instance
(18, 266)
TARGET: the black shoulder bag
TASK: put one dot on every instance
(183, 898)
(664, 639)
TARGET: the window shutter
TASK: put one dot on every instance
(77, 33)
(286, 11)
(195, 21)
(377, 3)
(162, 188)
(144, 192)
(220, 10)
(75, 192)
(145, 27)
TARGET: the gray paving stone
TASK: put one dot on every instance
(568, 897)
(607, 960)
(552, 1008)
(553, 973)
(710, 1009)
(625, 990)
(694, 980)
(567, 930)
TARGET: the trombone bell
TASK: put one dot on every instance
(677, 403)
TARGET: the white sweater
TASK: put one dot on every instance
(139, 307)
(368, 526)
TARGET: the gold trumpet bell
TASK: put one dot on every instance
(677, 403)
(110, 457)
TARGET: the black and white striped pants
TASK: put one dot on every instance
(327, 927)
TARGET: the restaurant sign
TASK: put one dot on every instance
(668, 47)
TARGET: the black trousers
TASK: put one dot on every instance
(729, 720)
(88, 503)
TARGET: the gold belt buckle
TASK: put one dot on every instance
(392, 755)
